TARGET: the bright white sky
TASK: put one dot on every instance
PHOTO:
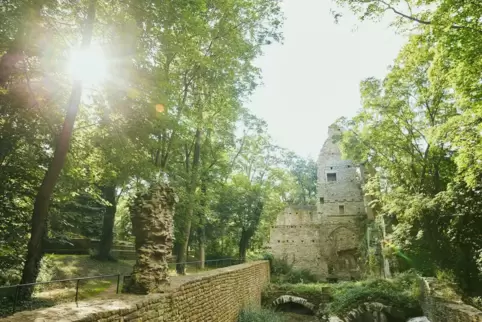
(313, 78)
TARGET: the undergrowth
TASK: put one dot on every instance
(401, 292)
(251, 314)
(283, 272)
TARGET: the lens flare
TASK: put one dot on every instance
(89, 65)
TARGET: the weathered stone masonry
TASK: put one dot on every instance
(439, 309)
(216, 296)
(324, 238)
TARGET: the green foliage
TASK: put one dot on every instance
(178, 76)
(252, 314)
(398, 293)
(301, 289)
(419, 134)
(305, 174)
(282, 272)
(123, 224)
(475, 301)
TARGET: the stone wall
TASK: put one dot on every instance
(216, 295)
(317, 245)
(438, 308)
(344, 188)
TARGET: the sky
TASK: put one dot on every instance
(313, 78)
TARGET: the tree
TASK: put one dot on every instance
(204, 86)
(305, 172)
(21, 22)
(454, 29)
(253, 193)
(44, 194)
(179, 75)
(406, 132)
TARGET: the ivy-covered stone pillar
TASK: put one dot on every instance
(152, 214)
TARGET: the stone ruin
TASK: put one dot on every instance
(152, 214)
(324, 238)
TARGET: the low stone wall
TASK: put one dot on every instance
(216, 295)
(438, 308)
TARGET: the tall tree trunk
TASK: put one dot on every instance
(202, 245)
(247, 233)
(386, 263)
(202, 230)
(42, 200)
(183, 247)
(244, 243)
(107, 237)
(180, 268)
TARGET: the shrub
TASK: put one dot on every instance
(283, 272)
(251, 314)
(269, 257)
(281, 266)
(301, 276)
(348, 296)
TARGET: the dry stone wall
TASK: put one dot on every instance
(438, 309)
(214, 296)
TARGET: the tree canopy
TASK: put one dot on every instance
(101, 98)
(419, 129)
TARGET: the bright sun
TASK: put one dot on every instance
(89, 66)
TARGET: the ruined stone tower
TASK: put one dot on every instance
(324, 238)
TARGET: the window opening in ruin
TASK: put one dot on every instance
(331, 269)
(341, 209)
(331, 168)
(331, 177)
(278, 241)
(313, 240)
(322, 200)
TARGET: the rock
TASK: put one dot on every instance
(152, 225)
(419, 319)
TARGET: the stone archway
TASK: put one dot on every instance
(341, 252)
(290, 303)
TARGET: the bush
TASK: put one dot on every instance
(398, 293)
(283, 272)
(251, 314)
(300, 276)
(281, 266)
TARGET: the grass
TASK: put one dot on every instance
(70, 266)
(313, 288)
(252, 314)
